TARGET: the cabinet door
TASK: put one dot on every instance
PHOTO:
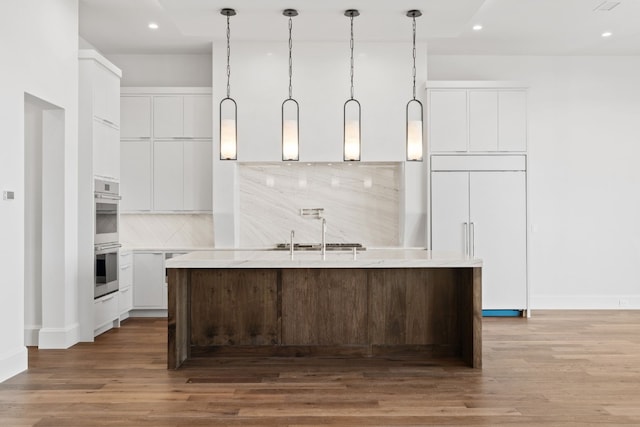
(168, 175)
(448, 120)
(106, 150)
(483, 120)
(148, 280)
(135, 117)
(135, 183)
(106, 95)
(498, 235)
(197, 116)
(197, 175)
(168, 116)
(449, 211)
(512, 119)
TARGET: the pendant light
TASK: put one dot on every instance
(352, 115)
(290, 108)
(228, 107)
(414, 107)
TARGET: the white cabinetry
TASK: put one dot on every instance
(478, 189)
(105, 313)
(125, 297)
(168, 175)
(98, 156)
(477, 117)
(483, 214)
(135, 185)
(149, 291)
(106, 150)
(182, 116)
(136, 117)
(166, 150)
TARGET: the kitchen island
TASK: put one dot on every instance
(381, 302)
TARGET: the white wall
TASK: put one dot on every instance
(259, 84)
(163, 70)
(584, 128)
(39, 57)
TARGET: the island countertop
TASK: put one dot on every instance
(370, 258)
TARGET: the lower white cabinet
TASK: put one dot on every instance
(125, 297)
(483, 214)
(105, 313)
(149, 291)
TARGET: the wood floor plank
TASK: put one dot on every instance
(578, 368)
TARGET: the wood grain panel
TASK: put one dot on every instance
(324, 307)
(178, 318)
(234, 307)
(413, 306)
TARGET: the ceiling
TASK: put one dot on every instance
(510, 27)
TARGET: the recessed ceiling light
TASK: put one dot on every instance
(477, 27)
(607, 34)
(153, 25)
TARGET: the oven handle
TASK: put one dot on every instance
(107, 196)
(102, 248)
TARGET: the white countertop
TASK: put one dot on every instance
(371, 258)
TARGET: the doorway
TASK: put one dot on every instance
(44, 207)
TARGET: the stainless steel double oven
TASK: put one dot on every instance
(106, 239)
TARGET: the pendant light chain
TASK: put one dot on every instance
(414, 57)
(290, 59)
(228, 58)
(351, 47)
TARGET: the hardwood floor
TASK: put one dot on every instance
(575, 368)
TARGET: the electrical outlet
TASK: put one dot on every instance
(623, 302)
(8, 195)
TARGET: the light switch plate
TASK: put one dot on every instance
(8, 195)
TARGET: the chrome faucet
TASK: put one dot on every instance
(293, 233)
(323, 248)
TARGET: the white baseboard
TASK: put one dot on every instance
(585, 302)
(59, 338)
(31, 333)
(13, 362)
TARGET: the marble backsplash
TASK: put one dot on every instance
(166, 230)
(361, 202)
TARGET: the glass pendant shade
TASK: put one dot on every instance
(228, 129)
(352, 130)
(414, 130)
(290, 130)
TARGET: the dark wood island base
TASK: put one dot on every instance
(433, 312)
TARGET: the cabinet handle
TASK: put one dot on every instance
(466, 238)
(108, 122)
(473, 239)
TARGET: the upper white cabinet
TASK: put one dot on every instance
(135, 185)
(168, 175)
(477, 118)
(447, 120)
(106, 150)
(135, 117)
(182, 116)
(166, 150)
(99, 117)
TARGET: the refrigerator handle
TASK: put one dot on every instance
(466, 239)
(472, 229)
